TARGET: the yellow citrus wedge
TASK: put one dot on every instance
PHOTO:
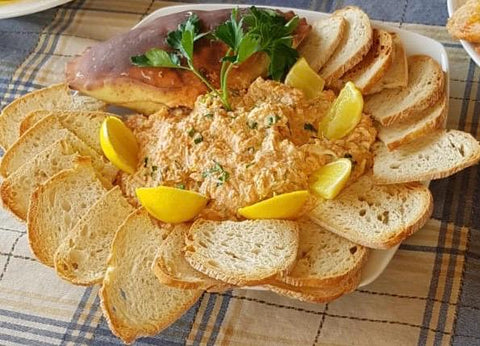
(344, 114)
(284, 206)
(119, 144)
(329, 180)
(171, 205)
(303, 77)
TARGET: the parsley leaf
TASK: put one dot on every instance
(156, 58)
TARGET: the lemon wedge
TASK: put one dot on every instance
(171, 205)
(344, 114)
(303, 77)
(119, 144)
(329, 180)
(284, 206)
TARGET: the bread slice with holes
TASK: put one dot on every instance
(375, 216)
(418, 125)
(54, 97)
(32, 118)
(323, 294)
(373, 67)
(57, 205)
(397, 75)
(323, 258)
(133, 301)
(354, 45)
(45, 133)
(242, 253)
(17, 189)
(322, 41)
(172, 269)
(435, 156)
(82, 256)
(425, 87)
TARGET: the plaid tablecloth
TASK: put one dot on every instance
(429, 294)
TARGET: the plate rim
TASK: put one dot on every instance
(385, 255)
(23, 8)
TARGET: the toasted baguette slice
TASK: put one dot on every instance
(323, 294)
(419, 124)
(17, 189)
(397, 75)
(32, 118)
(354, 45)
(323, 258)
(375, 216)
(45, 133)
(322, 41)
(173, 270)
(133, 301)
(53, 97)
(57, 205)
(242, 253)
(424, 89)
(373, 67)
(435, 156)
(82, 256)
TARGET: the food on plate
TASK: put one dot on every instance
(55, 97)
(119, 145)
(105, 70)
(303, 77)
(425, 87)
(133, 301)
(329, 180)
(368, 72)
(396, 75)
(170, 204)
(419, 124)
(172, 269)
(464, 24)
(81, 126)
(81, 257)
(438, 155)
(323, 40)
(375, 216)
(242, 253)
(352, 48)
(323, 258)
(57, 205)
(233, 123)
(344, 114)
(284, 206)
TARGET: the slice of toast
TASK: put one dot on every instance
(419, 124)
(242, 253)
(375, 216)
(173, 270)
(352, 48)
(32, 118)
(435, 156)
(57, 205)
(425, 87)
(57, 96)
(82, 256)
(323, 258)
(17, 189)
(373, 67)
(133, 301)
(397, 75)
(322, 41)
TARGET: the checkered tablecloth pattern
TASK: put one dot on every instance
(429, 294)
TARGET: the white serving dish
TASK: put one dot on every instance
(23, 7)
(452, 5)
(414, 44)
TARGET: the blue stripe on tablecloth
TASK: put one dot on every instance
(206, 316)
(220, 317)
(73, 325)
(427, 317)
(19, 340)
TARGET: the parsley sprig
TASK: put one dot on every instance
(259, 30)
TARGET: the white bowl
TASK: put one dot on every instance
(414, 44)
(23, 7)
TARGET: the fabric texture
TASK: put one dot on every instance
(429, 294)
